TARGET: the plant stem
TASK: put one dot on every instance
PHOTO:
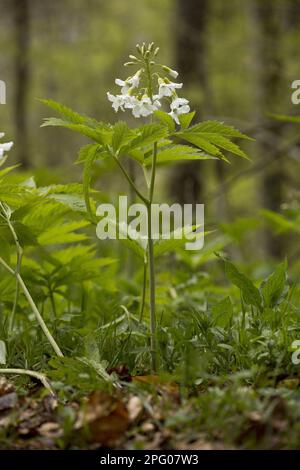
(18, 269)
(31, 373)
(33, 307)
(144, 289)
(132, 184)
(152, 265)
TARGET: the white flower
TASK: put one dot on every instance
(144, 107)
(120, 101)
(179, 106)
(132, 82)
(125, 87)
(168, 89)
(5, 147)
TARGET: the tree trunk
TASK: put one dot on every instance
(191, 21)
(21, 25)
(270, 68)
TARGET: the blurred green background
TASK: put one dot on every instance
(237, 61)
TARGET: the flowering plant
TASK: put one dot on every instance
(144, 91)
(4, 147)
(168, 137)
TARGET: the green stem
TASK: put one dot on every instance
(148, 71)
(144, 290)
(132, 184)
(33, 307)
(18, 270)
(152, 265)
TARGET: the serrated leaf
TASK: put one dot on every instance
(217, 127)
(68, 113)
(166, 119)
(86, 150)
(88, 165)
(178, 153)
(122, 135)
(225, 144)
(64, 233)
(186, 119)
(99, 134)
(201, 142)
(211, 136)
(147, 135)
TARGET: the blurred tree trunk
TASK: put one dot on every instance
(22, 31)
(292, 13)
(191, 20)
(268, 17)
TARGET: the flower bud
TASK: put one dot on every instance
(132, 57)
(128, 64)
(171, 72)
(156, 51)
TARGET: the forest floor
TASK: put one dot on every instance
(150, 412)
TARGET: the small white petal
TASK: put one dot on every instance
(173, 73)
(175, 117)
(120, 82)
(6, 146)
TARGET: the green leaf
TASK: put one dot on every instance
(211, 136)
(222, 312)
(60, 234)
(147, 135)
(72, 120)
(4, 248)
(68, 113)
(201, 142)
(166, 119)
(225, 143)
(86, 151)
(122, 135)
(217, 127)
(162, 246)
(178, 153)
(88, 165)
(7, 170)
(278, 222)
(251, 294)
(186, 119)
(273, 287)
(98, 134)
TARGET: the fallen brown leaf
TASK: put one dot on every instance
(105, 416)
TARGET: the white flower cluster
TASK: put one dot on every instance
(142, 105)
(5, 147)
